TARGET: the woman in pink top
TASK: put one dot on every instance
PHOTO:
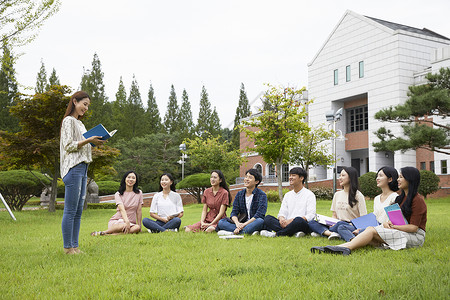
(129, 201)
(216, 198)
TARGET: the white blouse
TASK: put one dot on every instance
(71, 133)
(378, 207)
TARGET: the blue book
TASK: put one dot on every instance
(99, 130)
(365, 221)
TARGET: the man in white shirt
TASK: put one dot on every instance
(297, 209)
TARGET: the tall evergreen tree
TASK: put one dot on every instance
(134, 111)
(214, 127)
(41, 80)
(152, 116)
(118, 111)
(204, 114)
(53, 79)
(8, 90)
(242, 111)
(171, 120)
(185, 115)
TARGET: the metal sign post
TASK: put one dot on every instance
(7, 207)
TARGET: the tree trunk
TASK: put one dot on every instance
(307, 175)
(279, 179)
(52, 203)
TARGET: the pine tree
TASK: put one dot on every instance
(8, 90)
(171, 120)
(215, 128)
(204, 115)
(134, 111)
(41, 80)
(152, 116)
(53, 79)
(185, 115)
(242, 111)
(118, 111)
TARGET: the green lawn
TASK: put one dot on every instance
(202, 266)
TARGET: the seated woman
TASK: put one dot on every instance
(216, 199)
(249, 208)
(347, 205)
(129, 201)
(388, 235)
(166, 208)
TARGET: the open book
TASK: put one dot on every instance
(328, 221)
(99, 130)
(394, 212)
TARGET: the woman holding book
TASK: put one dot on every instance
(347, 204)
(75, 155)
(166, 208)
(129, 201)
(215, 201)
(389, 235)
(387, 181)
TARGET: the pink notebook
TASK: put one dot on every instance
(395, 215)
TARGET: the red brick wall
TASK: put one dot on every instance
(357, 140)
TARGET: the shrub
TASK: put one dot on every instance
(107, 187)
(61, 188)
(18, 186)
(368, 185)
(429, 183)
(195, 185)
(323, 192)
(92, 206)
(272, 196)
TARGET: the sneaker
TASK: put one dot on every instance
(334, 236)
(315, 234)
(149, 231)
(224, 232)
(255, 233)
(267, 233)
(173, 230)
(299, 234)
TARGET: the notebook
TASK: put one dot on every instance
(365, 221)
(395, 215)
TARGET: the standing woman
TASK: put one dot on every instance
(75, 155)
(129, 201)
(216, 199)
(347, 204)
(388, 235)
(166, 208)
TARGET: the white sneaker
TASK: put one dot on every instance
(224, 232)
(267, 233)
(299, 234)
(255, 233)
(315, 234)
(174, 230)
(149, 231)
(334, 236)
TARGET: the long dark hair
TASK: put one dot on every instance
(412, 175)
(223, 183)
(354, 185)
(123, 185)
(392, 173)
(172, 185)
(78, 96)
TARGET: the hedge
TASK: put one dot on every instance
(107, 187)
(368, 185)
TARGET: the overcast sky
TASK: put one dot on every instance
(218, 44)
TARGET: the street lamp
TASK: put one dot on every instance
(182, 161)
(334, 117)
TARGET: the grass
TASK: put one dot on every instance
(202, 266)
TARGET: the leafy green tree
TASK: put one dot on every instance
(152, 116)
(171, 118)
(310, 151)
(185, 116)
(8, 90)
(215, 128)
(195, 185)
(278, 128)
(204, 115)
(242, 111)
(41, 79)
(429, 183)
(134, 112)
(419, 114)
(20, 20)
(53, 79)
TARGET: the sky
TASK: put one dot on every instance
(191, 43)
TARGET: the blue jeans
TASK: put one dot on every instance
(75, 192)
(256, 225)
(320, 228)
(345, 229)
(160, 226)
(298, 224)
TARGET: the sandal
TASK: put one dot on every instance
(317, 250)
(97, 233)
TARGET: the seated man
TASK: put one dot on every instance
(297, 209)
(249, 208)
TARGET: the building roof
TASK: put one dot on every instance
(395, 26)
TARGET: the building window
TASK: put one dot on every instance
(336, 77)
(272, 170)
(432, 166)
(361, 69)
(423, 165)
(444, 166)
(357, 119)
(285, 172)
(259, 168)
(347, 73)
